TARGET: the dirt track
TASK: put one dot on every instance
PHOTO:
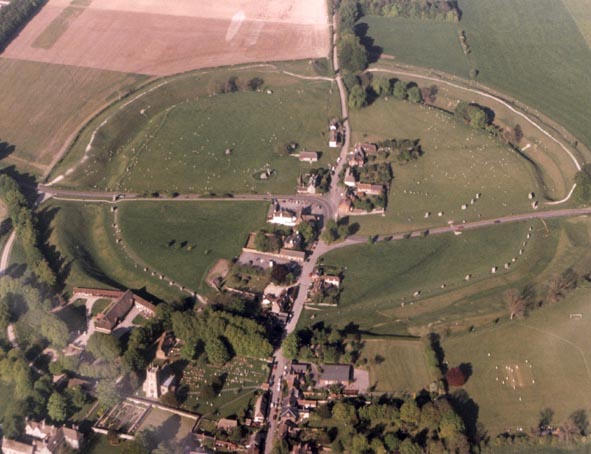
(159, 37)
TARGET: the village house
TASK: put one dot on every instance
(283, 217)
(308, 156)
(349, 180)
(356, 159)
(123, 302)
(16, 447)
(370, 189)
(290, 254)
(367, 148)
(336, 374)
(48, 439)
(260, 407)
(293, 241)
(333, 136)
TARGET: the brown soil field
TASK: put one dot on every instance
(157, 37)
(43, 104)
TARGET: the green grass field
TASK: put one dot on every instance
(211, 230)
(403, 367)
(81, 243)
(42, 104)
(381, 279)
(432, 44)
(167, 426)
(174, 138)
(458, 163)
(530, 49)
(554, 345)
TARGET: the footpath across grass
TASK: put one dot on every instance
(184, 239)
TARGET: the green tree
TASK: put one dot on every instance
(382, 86)
(216, 350)
(107, 393)
(399, 90)
(352, 54)
(103, 346)
(360, 445)
(58, 407)
(451, 425)
(349, 13)
(357, 97)
(414, 94)
(280, 447)
(410, 447)
(409, 412)
(291, 345)
(307, 231)
(261, 242)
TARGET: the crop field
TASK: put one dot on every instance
(431, 44)
(178, 137)
(157, 38)
(388, 374)
(531, 49)
(549, 347)
(184, 239)
(458, 163)
(81, 244)
(382, 279)
(42, 104)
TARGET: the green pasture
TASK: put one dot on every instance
(178, 135)
(380, 280)
(82, 246)
(184, 239)
(458, 163)
(401, 365)
(431, 44)
(553, 344)
(531, 49)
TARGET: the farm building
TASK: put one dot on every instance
(366, 148)
(16, 447)
(370, 189)
(336, 374)
(308, 156)
(349, 179)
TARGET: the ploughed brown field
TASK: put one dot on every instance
(160, 37)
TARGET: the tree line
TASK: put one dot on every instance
(25, 225)
(14, 16)
(442, 10)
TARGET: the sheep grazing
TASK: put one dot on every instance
(528, 236)
(520, 251)
(464, 206)
(478, 195)
(443, 285)
(531, 195)
(427, 214)
(534, 205)
(467, 277)
(514, 259)
(417, 293)
(493, 270)
(507, 265)
(440, 214)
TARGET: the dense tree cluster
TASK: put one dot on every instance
(473, 114)
(340, 230)
(322, 344)
(14, 16)
(392, 425)
(443, 10)
(24, 223)
(220, 335)
(352, 54)
(27, 305)
(405, 149)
